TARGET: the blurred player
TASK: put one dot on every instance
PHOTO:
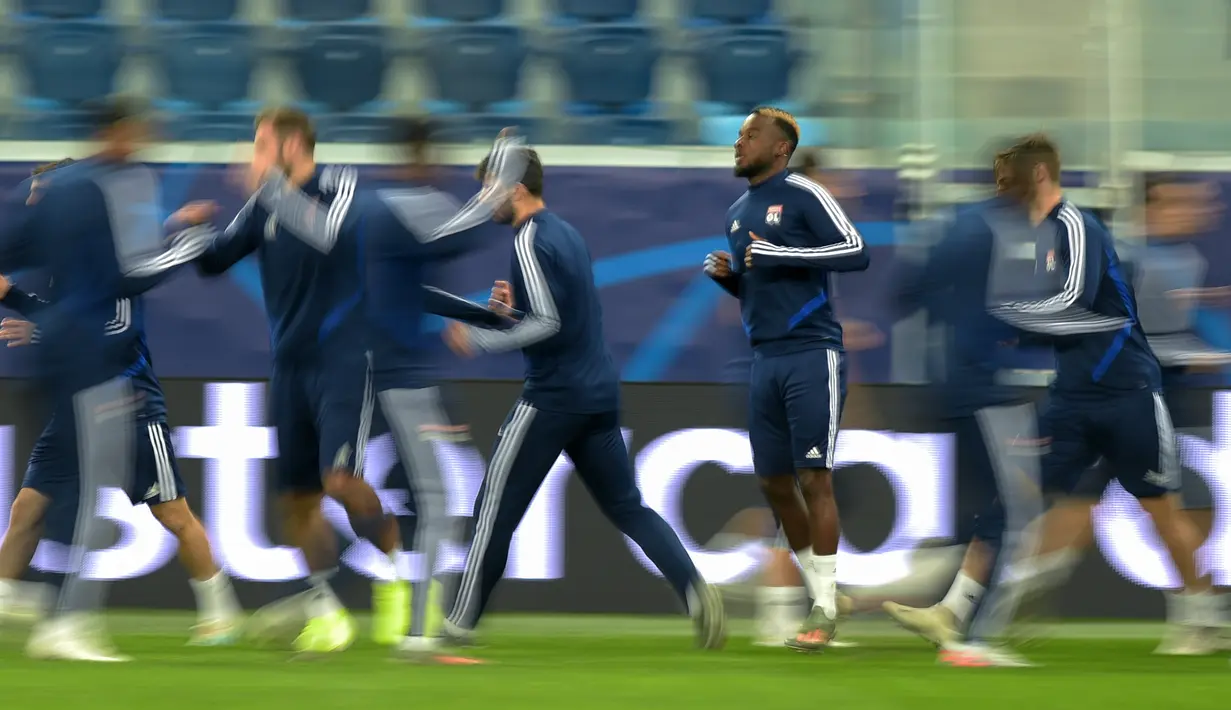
(49, 494)
(1167, 274)
(321, 391)
(790, 235)
(1106, 400)
(1175, 212)
(985, 418)
(96, 233)
(570, 405)
(410, 230)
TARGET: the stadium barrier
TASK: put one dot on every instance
(895, 484)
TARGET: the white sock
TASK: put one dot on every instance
(825, 581)
(324, 602)
(962, 597)
(804, 558)
(215, 598)
(1203, 609)
(779, 609)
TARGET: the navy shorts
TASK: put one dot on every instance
(1132, 435)
(52, 469)
(323, 414)
(795, 406)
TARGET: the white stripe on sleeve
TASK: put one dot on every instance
(851, 244)
(542, 319)
(430, 215)
(1075, 281)
(184, 247)
(306, 217)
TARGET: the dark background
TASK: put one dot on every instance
(600, 573)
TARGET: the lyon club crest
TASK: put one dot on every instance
(773, 215)
(1051, 261)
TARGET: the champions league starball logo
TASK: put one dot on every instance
(919, 468)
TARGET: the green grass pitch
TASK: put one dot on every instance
(629, 663)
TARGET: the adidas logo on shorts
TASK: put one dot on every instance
(814, 453)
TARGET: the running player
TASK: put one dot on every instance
(409, 230)
(984, 416)
(1106, 400)
(790, 235)
(96, 234)
(49, 492)
(321, 390)
(570, 404)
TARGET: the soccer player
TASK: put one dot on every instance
(790, 235)
(1106, 400)
(985, 417)
(321, 389)
(409, 230)
(570, 404)
(51, 478)
(96, 233)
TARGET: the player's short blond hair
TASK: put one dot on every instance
(783, 119)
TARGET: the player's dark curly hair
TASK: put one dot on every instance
(533, 178)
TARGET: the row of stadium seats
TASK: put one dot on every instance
(476, 69)
(725, 11)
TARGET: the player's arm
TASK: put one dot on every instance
(315, 223)
(1068, 312)
(18, 234)
(439, 228)
(836, 244)
(241, 237)
(447, 305)
(19, 301)
(719, 268)
(542, 318)
(183, 247)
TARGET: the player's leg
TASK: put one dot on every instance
(813, 390)
(158, 484)
(103, 420)
(1003, 529)
(50, 474)
(943, 623)
(604, 467)
(343, 399)
(329, 626)
(26, 523)
(1141, 448)
(416, 417)
(527, 446)
(769, 433)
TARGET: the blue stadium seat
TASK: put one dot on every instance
(207, 69)
(463, 10)
(62, 8)
(475, 65)
(327, 10)
(210, 126)
(745, 66)
(610, 66)
(622, 130)
(342, 70)
(354, 128)
(54, 125)
(484, 127)
(196, 10)
(723, 130)
(729, 11)
(69, 62)
(597, 10)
